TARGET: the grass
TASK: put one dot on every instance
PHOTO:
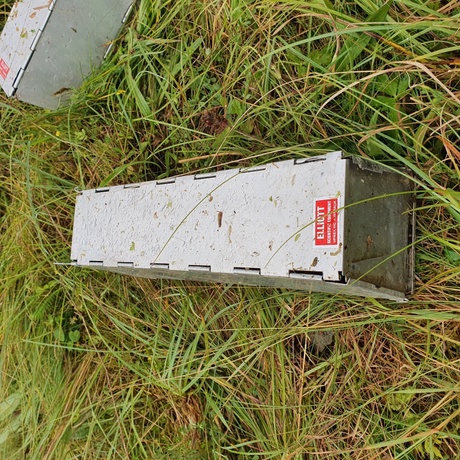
(101, 366)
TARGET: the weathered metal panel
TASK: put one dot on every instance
(19, 37)
(48, 47)
(378, 231)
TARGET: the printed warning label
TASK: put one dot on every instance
(4, 69)
(326, 222)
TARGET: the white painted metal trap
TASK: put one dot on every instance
(48, 47)
(328, 223)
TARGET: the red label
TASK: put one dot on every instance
(4, 69)
(326, 222)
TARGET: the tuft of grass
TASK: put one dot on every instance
(100, 366)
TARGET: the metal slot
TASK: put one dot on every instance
(107, 51)
(166, 181)
(160, 266)
(51, 5)
(204, 176)
(125, 264)
(250, 170)
(302, 161)
(36, 38)
(341, 279)
(102, 190)
(96, 262)
(18, 78)
(304, 274)
(128, 11)
(246, 271)
(411, 251)
(200, 268)
(131, 186)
